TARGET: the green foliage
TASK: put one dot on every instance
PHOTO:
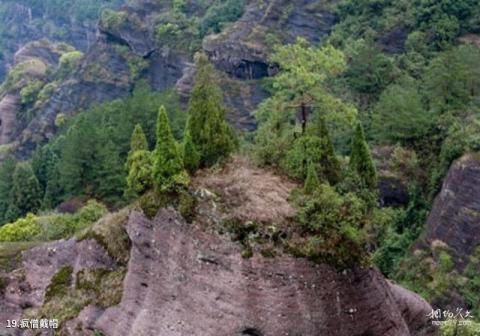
(302, 68)
(29, 93)
(69, 61)
(191, 157)
(59, 283)
(139, 177)
(92, 147)
(334, 226)
(24, 229)
(6, 184)
(139, 163)
(210, 132)
(26, 70)
(312, 182)
(302, 80)
(168, 170)
(219, 14)
(183, 28)
(109, 173)
(26, 192)
(452, 79)
(361, 161)
(454, 327)
(186, 206)
(113, 19)
(400, 115)
(369, 71)
(52, 226)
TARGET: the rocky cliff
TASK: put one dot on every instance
(455, 216)
(27, 21)
(182, 280)
(126, 50)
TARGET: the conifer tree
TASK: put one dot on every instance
(26, 192)
(312, 182)
(139, 164)
(329, 164)
(361, 160)
(167, 164)
(109, 173)
(139, 177)
(138, 142)
(53, 190)
(210, 132)
(6, 176)
(191, 157)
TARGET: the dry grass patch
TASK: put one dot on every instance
(250, 193)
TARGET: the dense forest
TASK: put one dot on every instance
(332, 110)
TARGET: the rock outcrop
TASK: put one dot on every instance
(455, 216)
(185, 280)
(242, 50)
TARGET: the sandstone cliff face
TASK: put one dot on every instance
(183, 280)
(455, 216)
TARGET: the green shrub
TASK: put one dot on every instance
(24, 229)
(333, 224)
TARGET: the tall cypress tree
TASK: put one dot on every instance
(329, 164)
(6, 184)
(139, 164)
(361, 160)
(167, 163)
(210, 132)
(138, 142)
(109, 173)
(26, 192)
(311, 183)
(191, 157)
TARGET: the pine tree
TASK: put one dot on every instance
(53, 190)
(139, 164)
(312, 182)
(329, 164)
(6, 184)
(210, 132)
(109, 173)
(26, 192)
(361, 160)
(139, 177)
(138, 142)
(191, 157)
(167, 163)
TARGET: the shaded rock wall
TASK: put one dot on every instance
(455, 216)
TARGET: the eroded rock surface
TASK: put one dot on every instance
(182, 281)
(455, 216)
(185, 280)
